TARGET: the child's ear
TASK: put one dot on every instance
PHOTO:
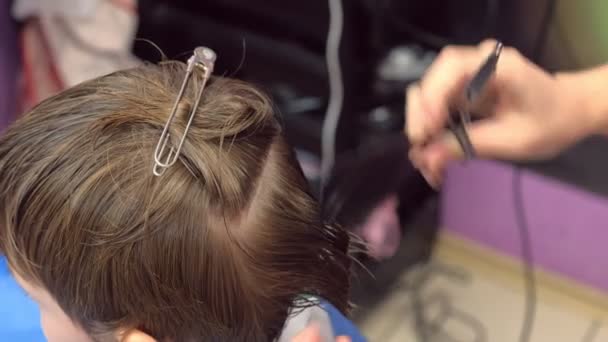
(135, 336)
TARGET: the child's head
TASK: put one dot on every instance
(218, 248)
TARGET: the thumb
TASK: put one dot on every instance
(492, 138)
(489, 138)
(496, 138)
(433, 158)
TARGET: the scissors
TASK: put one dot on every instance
(460, 119)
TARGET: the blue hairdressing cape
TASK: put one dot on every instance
(20, 321)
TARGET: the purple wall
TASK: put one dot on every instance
(8, 64)
(568, 227)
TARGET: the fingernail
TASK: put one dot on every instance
(418, 133)
(437, 182)
(414, 156)
(428, 178)
(434, 182)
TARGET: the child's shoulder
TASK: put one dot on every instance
(329, 319)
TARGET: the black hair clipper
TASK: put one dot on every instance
(458, 120)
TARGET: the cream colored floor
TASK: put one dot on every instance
(495, 302)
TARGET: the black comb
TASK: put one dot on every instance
(483, 75)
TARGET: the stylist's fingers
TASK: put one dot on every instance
(432, 159)
(503, 137)
(491, 138)
(414, 116)
(444, 82)
(487, 46)
(440, 86)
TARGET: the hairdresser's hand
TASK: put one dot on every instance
(312, 334)
(529, 114)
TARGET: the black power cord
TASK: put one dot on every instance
(527, 253)
(592, 331)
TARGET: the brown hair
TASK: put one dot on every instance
(218, 248)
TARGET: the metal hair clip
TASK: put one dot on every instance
(458, 121)
(165, 156)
